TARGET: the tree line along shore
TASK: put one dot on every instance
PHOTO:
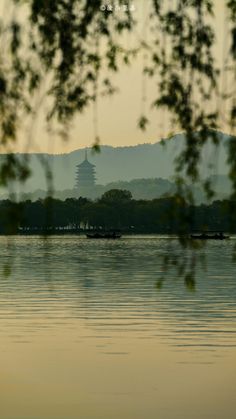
(115, 210)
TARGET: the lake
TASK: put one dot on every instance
(96, 329)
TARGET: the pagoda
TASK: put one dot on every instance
(85, 174)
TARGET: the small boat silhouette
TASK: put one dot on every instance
(218, 235)
(104, 235)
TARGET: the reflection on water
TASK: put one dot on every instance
(86, 333)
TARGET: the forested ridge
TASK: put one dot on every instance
(114, 210)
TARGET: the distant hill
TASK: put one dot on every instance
(146, 189)
(123, 163)
(139, 188)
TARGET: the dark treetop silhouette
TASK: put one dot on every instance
(114, 210)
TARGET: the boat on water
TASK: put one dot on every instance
(104, 235)
(210, 236)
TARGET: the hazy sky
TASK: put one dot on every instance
(118, 115)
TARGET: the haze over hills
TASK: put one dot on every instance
(115, 164)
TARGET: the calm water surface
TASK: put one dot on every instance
(87, 332)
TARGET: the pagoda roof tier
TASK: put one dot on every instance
(85, 164)
(85, 170)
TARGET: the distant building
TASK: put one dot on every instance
(85, 175)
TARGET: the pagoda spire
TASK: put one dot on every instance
(85, 174)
